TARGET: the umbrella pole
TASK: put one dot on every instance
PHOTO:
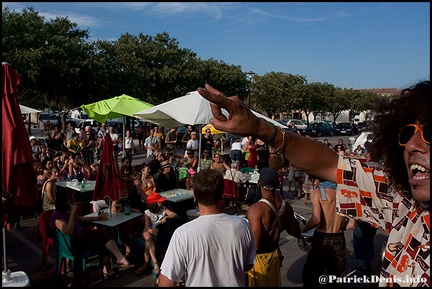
(6, 272)
(199, 148)
(124, 126)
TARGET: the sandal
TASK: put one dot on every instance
(113, 275)
(141, 269)
(125, 266)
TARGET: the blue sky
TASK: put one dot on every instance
(350, 45)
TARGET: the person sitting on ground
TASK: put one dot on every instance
(65, 218)
(155, 214)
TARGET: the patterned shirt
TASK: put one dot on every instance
(363, 193)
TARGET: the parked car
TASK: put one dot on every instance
(320, 128)
(181, 131)
(344, 128)
(364, 125)
(53, 119)
(85, 122)
(365, 136)
(230, 138)
(301, 126)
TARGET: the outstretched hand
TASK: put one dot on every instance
(240, 121)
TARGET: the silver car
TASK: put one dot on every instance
(365, 136)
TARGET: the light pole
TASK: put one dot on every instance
(250, 75)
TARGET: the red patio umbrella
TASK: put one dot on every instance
(108, 181)
(18, 174)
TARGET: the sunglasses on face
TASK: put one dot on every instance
(408, 131)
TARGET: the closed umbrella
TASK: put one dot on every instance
(108, 182)
(18, 175)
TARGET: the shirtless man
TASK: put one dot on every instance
(266, 229)
(327, 254)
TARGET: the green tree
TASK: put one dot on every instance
(50, 57)
(277, 92)
(337, 102)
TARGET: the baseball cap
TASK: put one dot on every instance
(269, 178)
(155, 198)
(32, 137)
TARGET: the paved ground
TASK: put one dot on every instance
(24, 253)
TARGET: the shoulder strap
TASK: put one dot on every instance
(323, 194)
(277, 214)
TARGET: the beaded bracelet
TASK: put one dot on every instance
(273, 135)
(283, 144)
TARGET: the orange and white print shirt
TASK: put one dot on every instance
(363, 193)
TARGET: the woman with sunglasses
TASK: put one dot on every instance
(394, 197)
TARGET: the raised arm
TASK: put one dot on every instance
(305, 153)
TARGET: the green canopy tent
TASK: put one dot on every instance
(115, 107)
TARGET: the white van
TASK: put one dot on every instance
(85, 122)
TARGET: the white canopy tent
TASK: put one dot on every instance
(191, 109)
(28, 110)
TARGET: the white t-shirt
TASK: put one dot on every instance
(155, 218)
(128, 143)
(193, 144)
(236, 146)
(210, 251)
(114, 138)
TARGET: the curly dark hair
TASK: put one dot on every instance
(413, 104)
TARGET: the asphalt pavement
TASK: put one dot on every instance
(23, 249)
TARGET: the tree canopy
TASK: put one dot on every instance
(62, 69)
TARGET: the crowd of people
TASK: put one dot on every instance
(388, 188)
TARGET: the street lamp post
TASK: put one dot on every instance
(250, 75)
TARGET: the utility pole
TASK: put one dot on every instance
(250, 75)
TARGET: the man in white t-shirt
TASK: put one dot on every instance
(193, 144)
(214, 250)
(115, 139)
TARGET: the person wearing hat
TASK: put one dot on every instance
(193, 143)
(268, 218)
(167, 178)
(190, 179)
(213, 250)
(155, 214)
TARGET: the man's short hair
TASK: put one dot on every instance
(208, 187)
